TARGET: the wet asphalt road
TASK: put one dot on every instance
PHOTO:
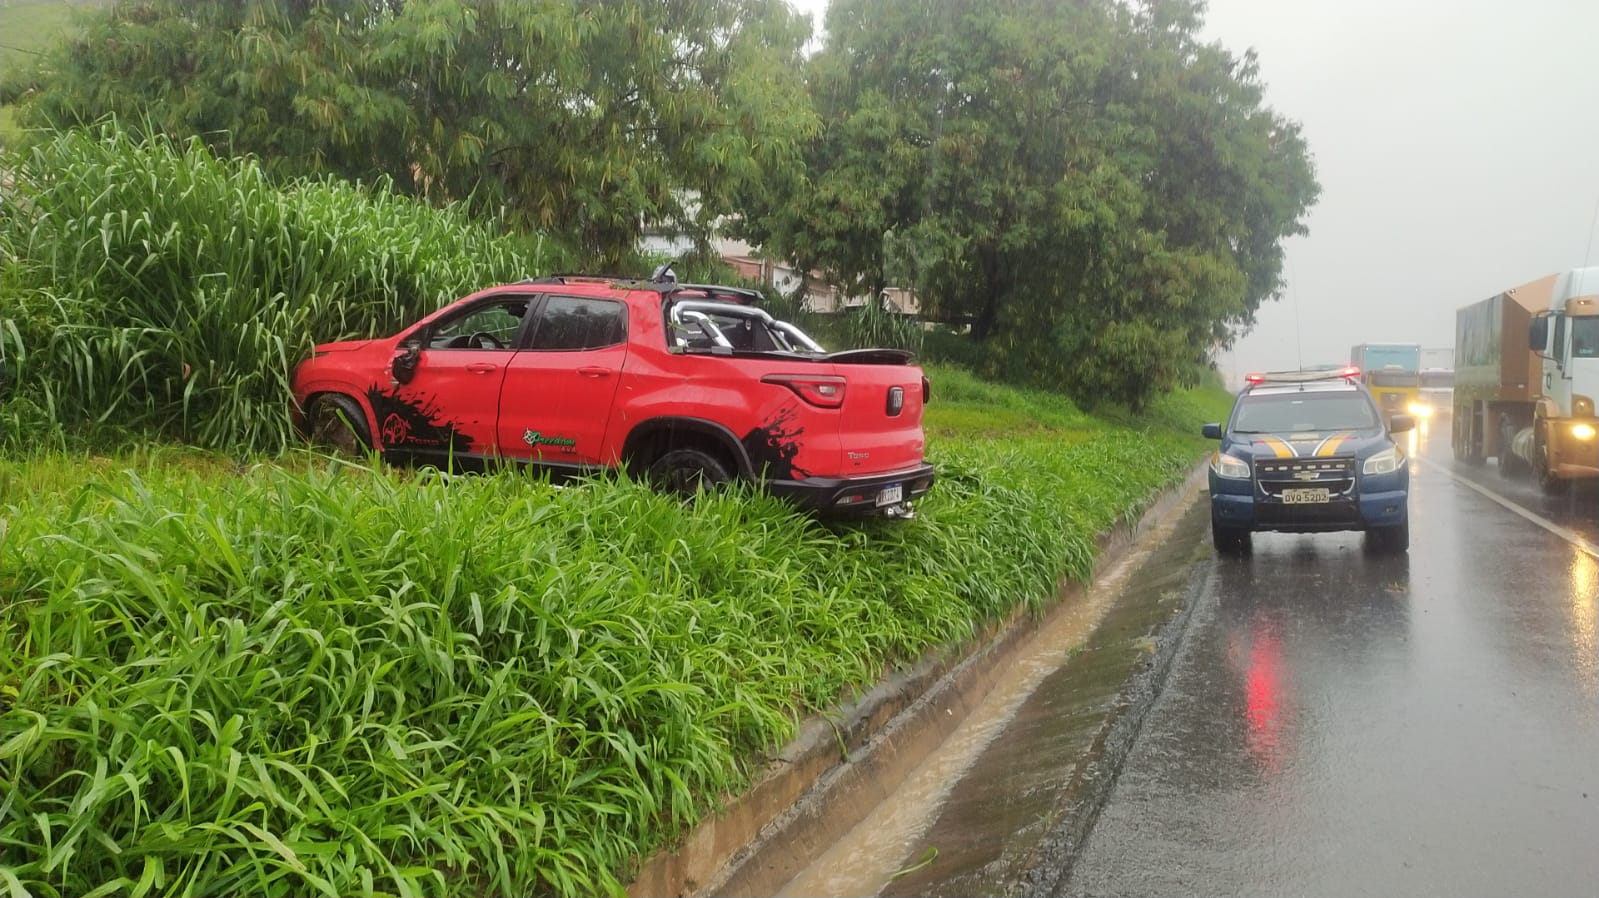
(1340, 724)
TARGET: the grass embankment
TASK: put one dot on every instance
(305, 677)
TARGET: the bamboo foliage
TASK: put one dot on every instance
(156, 288)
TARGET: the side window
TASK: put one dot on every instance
(493, 325)
(571, 323)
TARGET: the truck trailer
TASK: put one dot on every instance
(1526, 376)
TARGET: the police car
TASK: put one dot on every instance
(1309, 452)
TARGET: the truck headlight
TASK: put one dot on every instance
(1385, 462)
(1419, 409)
(1228, 467)
(1583, 431)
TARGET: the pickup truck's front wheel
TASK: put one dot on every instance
(337, 423)
(685, 472)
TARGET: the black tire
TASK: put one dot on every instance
(684, 472)
(1389, 540)
(1549, 484)
(1230, 540)
(336, 423)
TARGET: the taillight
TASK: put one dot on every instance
(927, 390)
(820, 390)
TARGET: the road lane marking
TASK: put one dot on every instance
(1570, 536)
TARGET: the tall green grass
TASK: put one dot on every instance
(157, 290)
(308, 678)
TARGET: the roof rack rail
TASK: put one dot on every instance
(740, 295)
(575, 277)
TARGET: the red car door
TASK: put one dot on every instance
(450, 406)
(557, 395)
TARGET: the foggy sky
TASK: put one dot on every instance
(1457, 146)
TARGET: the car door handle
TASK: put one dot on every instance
(594, 371)
(482, 368)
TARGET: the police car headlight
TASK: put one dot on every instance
(1229, 467)
(1384, 462)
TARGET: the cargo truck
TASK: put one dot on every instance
(1526, 376)
(1392, 371)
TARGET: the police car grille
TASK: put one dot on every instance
(1336, 475)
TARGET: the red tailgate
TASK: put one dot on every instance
(880, 425)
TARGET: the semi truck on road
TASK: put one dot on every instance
(1526, 376)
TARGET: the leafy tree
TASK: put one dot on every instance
(579, 118)
(1099, 194)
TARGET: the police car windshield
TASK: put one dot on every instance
(1304, 412)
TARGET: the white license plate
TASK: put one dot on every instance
(895, 494)
(1305, 496)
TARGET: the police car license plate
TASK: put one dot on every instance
(894, 493)
(1305, 496)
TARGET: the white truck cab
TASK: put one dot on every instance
(1563, 443)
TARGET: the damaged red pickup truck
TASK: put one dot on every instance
(688, 385)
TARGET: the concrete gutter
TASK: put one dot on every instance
(841, 766)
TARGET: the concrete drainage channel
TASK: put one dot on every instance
(1095, 667)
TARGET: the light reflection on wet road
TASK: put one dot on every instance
(1343, 724)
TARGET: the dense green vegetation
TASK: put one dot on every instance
(1091, 192)
(28, 30)
(1096, 191)
(155, 289)
(307, 677)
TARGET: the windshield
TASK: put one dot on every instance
(1304, 413)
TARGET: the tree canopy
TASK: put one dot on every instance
(1097, 192)
(1093, 190)
(583, 119)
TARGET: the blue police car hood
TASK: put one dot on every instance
(1356, 444)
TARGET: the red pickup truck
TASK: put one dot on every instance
(689, 385)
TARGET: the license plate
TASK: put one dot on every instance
(1305, 496)
(893, 494)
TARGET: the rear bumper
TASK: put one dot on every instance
(853, 495)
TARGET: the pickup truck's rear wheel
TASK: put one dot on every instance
(685, 472)
(338, 424)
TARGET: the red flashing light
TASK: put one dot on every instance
(1255, 378)
(1351, 371)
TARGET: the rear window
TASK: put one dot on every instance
(1304, 413)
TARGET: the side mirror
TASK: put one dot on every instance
(1213, 431)
(1401, 423)
(405, 362)
(1538, 334)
